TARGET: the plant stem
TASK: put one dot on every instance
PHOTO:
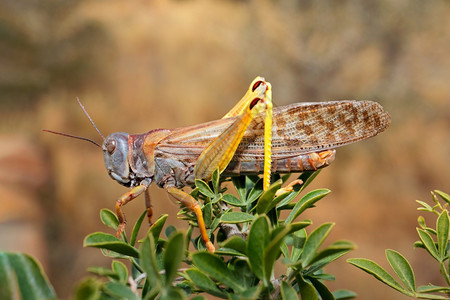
(135, 263)
(444, 272)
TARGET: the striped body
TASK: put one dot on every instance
(296, 164)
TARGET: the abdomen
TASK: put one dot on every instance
(295, 164)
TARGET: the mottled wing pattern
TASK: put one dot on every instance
(310, 127)
(297, 129)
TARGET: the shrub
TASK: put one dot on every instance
(438, 249)
(250, 236)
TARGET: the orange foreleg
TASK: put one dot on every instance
(127, 197)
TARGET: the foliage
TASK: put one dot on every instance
(21, 277)
(438, 249)
(251, 239)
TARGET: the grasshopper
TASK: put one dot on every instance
(252, 138)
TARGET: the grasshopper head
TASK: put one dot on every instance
(115, 153)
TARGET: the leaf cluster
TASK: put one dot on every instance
(251, 238)
(437, 247)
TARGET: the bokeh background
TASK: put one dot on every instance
(141, 65)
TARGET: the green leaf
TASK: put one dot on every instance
(433, 289)
(100, 271)
(136, 228)
(297, 226)
(272, 251)
(323, 276)
(307, 177)
(119, 290)
(233, 200)
(330, 254)
(207, 214)
(425, 206)
(335, 247)
(216, 268)
(173, 256)
(324, 292)
(215, 223)
(216, 181)
(313, 243)
(169, 230)
(244, 274)
(204, 188)
(157, 227)
(112, 254)
(444, 196)
(307, 290)
(88, 289)
(430, 296)
(288, 292)
(107, 241)
(402, 268)
(204, 283)
(172, 293)
(428, 242)
(378, 272)
(250, 293)
(421, 221)
(239, 185)
(264, 203)
(255, 192)
(306, 202)
(298, 243)
(109, 218)
(257, 240)
(285, 177)
(442, 227)
(279, 199)
(21, 277)
(236, 243)
(431, 231)
(236, 217)
(217, 198)
(228, 252)
(344, 294)
(121, 270)
(284, 249)
(149, 263)
(419, 244)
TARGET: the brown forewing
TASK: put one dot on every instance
(298, 128)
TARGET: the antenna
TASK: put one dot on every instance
(72, 136)
(90, 119)
(79, 137)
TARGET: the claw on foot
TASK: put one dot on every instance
(210, 247)
(120, 229)
(288, 188)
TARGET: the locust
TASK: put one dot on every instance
(252, 138)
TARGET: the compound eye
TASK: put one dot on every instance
(111, 145)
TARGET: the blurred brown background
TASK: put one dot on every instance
(140, 65)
